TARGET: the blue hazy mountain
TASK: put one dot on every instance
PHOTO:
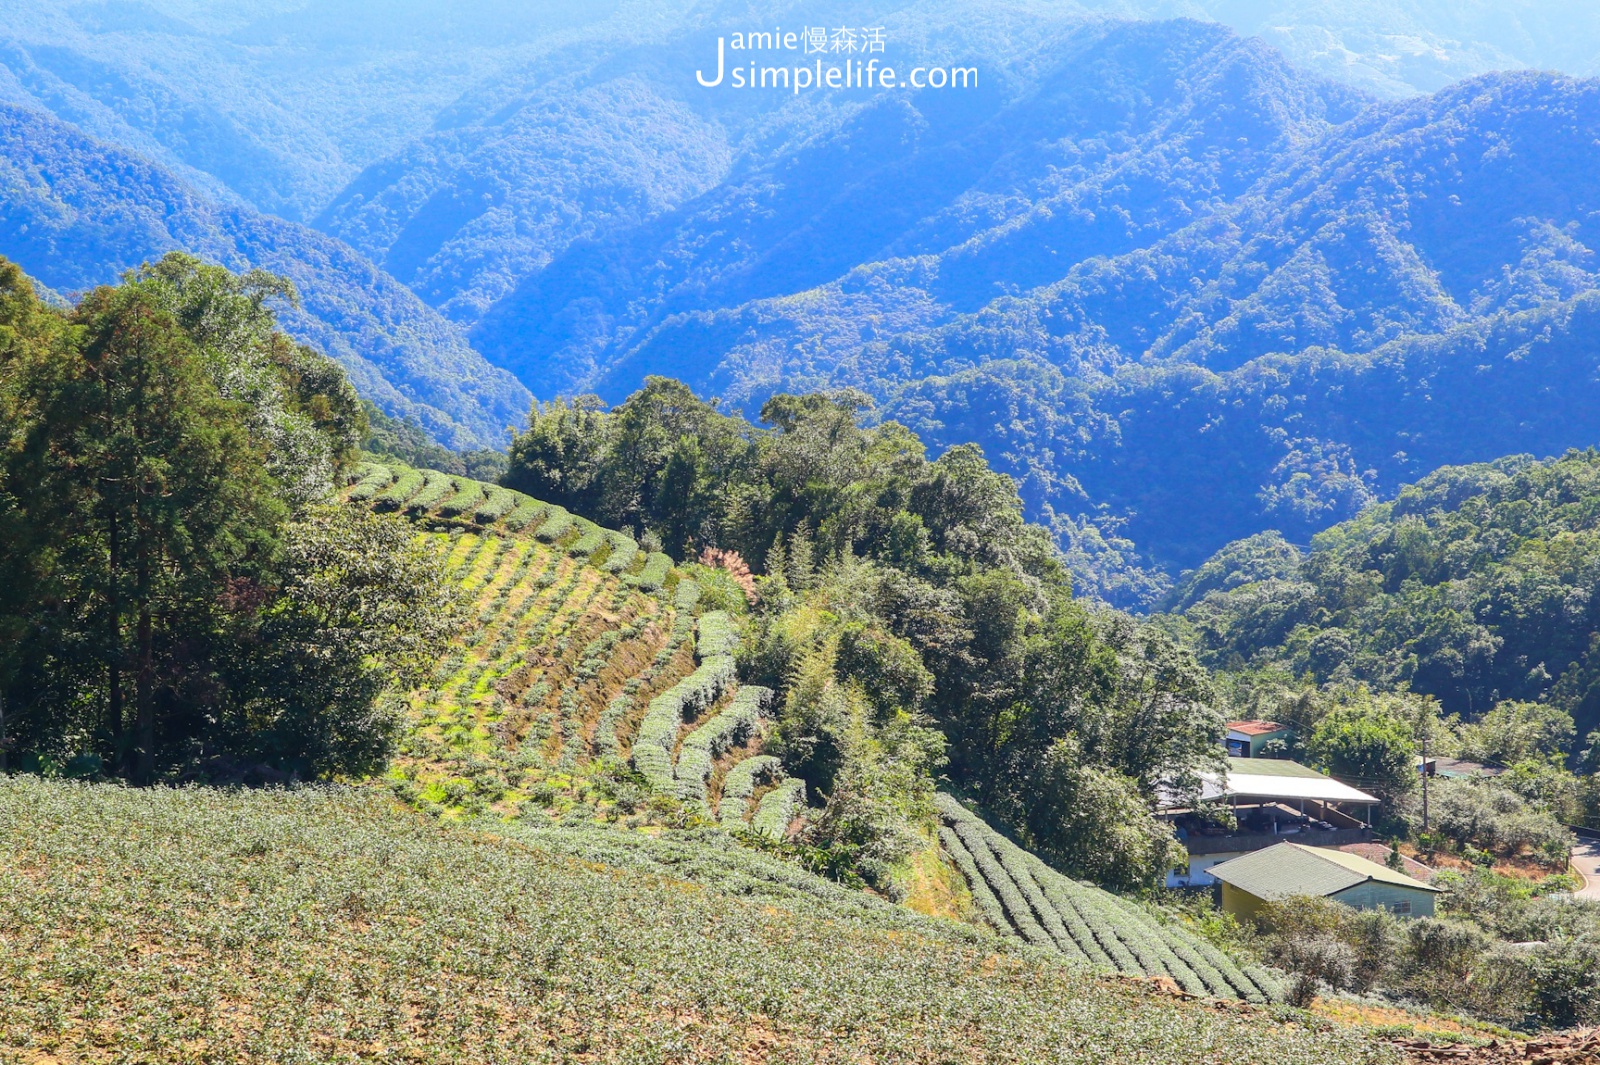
(1401, 47)
(1184, 282)
(76, 213)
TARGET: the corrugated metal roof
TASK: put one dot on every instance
(1292, 869)
(1273, 767)
(1275, 778)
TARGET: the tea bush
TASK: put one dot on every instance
(778, 807)
(740, 785)
(328, 926)
(1019, 894)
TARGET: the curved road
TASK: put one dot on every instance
(1586, 860)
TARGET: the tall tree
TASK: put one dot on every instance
(170, 492)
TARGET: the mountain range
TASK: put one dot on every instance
(1181, 283)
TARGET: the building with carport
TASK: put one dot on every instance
(1273, 801)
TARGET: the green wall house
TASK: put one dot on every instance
(1289, 869)
(1246, 738)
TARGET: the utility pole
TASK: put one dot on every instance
(1424, 780)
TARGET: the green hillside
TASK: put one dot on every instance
(194, 925)
(581, 657)
(1019, 895)
(76, 213)
(1476, 585)
(581, 678)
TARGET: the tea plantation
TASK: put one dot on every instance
(583, 687)
(582, 679)
(170, 925)
(1018, 894)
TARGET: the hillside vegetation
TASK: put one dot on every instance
(582, 680)
(1142, 264)
(273, 926)
(1477, 585)
(1017, 894)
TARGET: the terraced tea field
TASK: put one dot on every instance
(1018, 895)
(583, 680)
(587, 683)
(327, 925)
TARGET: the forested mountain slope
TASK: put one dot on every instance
(1185, 459)
(1476, 585)
(1092, 264)
(77, 213)
(1059, 252)
(1410, 219)
(1400, 47)
(277, 103)
(1110, 137)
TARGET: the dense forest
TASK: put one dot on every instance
(1475, 586)
(78, 213)
(911, 618)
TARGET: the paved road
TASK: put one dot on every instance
(1586, 859)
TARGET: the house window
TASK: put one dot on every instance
(1401, 907)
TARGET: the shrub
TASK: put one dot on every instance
(654, 574)
(333, 893)
(406, 484)
(741, 784)
(623, 552)
(718, 635)
(686, 596)
(1085, 922)
(590, 539)
(526, 512)
(468, 496)
(988, 906)
(1000, 882)
(373, 478)
(778, 807)
(557, 523)
(497, 503)
(1489, 816)
(436, 487)
(1296, 932)
(658, 732)
(705, 744)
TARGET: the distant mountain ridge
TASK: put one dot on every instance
(76, 213)
(1220, 210)
(1127, 235)
(917, 211)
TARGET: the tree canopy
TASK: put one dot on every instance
(912, 618)
(184, 599)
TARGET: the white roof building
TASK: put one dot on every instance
(1256, 779)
